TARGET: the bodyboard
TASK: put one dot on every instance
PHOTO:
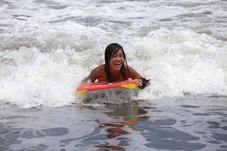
(93, 86)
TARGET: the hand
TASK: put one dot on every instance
(138, 82)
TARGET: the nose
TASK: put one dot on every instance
(118, 57)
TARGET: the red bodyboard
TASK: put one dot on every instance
(102, 86)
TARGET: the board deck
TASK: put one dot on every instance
(102, 86)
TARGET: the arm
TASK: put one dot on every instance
(137, 78)
(96, 73)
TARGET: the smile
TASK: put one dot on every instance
(117, 64)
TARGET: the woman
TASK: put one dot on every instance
(115, 68)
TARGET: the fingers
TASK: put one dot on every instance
(138, 82)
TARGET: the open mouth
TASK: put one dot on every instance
(118, 65)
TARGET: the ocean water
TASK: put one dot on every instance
(48, 46)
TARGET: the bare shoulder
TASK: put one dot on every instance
(133, 73)
(96, 73)
(98, 69)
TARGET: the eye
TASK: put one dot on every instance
(114, 56)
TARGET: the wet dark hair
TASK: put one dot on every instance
(111, 50)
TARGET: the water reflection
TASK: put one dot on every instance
(163, 125)
(159, 133)
(129, 124)
(130, 113)
(113, 133)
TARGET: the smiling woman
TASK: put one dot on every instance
(115, 68)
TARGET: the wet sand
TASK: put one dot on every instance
(189, 123)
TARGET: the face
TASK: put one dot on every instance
(117, 60)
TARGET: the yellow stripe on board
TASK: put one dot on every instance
(129, 86)
(81, 92)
